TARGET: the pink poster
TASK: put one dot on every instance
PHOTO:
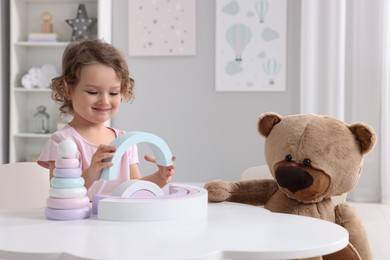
(162, 28)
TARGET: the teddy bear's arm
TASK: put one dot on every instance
(254, 192)
(347, 217)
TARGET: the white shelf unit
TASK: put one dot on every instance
(26, 18)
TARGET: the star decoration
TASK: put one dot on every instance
(82, 24)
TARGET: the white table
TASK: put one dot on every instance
(230, 230)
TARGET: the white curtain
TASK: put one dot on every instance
(385, 111)
(323, 57)
(345, 70)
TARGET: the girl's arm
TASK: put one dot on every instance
(51, 169)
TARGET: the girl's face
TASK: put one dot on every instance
(96, 98)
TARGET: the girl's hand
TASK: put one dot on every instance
(97, 163)
(164, 172)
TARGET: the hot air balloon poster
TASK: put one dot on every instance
(161, 28)
(251, 45)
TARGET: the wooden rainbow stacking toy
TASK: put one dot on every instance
(137, 200)
(68, 198)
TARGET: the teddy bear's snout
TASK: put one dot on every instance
(293, 179)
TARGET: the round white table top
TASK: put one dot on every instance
(230, 230)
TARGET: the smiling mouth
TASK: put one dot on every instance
(101, 109)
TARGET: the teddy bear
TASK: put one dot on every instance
(311, 158)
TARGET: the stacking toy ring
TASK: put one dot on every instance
(68, 193)
(67, 163)
(68, 214)
(67, 172)
(73, 203)
(67, 183)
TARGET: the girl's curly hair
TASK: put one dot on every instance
(85, 52)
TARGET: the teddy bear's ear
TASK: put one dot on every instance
(266, 122)
(365, 136)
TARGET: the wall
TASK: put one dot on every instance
(212, 133)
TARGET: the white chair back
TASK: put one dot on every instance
(23, 185)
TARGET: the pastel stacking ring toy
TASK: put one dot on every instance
(68, 198)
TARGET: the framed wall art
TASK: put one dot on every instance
(162, 27)
(251, 45)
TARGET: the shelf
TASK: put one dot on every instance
(32, 135)
(41, 44)
(32, 90)
(26, 18)
(51, 1)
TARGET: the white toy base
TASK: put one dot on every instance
(145, 201)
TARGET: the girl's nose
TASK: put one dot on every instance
(104, 98)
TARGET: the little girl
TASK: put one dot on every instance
(95, 79)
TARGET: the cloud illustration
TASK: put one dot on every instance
(268, 34)
(232, 8)
(39, 77)
(233, 67)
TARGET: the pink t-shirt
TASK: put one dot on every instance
(84, 155)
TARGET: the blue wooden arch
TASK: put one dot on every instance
(123, 142)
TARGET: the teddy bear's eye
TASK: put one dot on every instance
(288, 157)
(306, 162)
